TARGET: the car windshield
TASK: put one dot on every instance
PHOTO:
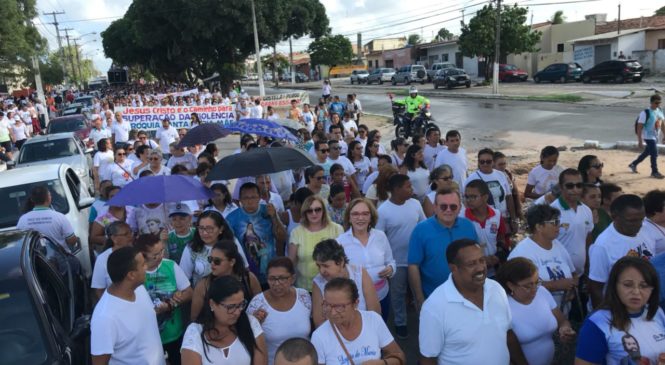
(71, 125)
(388, 70)
(363, 72)
(21, 338)
(573, 66)
(13, 200)
(84, 101)
(48, 150)
(510, 67)
(632, 64)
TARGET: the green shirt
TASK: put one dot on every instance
(161, 285)
(176, 244)
(604, 220)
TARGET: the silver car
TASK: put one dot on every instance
(409, 74)
(58, 148)
(381, 75)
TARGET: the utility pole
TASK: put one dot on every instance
(619, 20)
(69, 50)
(78, 62)
(57, 34)
(497, 49)
(259, 69)
(291, 68)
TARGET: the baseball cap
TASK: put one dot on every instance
(179, 209)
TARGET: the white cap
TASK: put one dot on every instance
(413, 90)
(180, 208)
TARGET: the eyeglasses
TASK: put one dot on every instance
(216, 260)
(120, 154)
(598, 166)
(231, 308)
(314, 210)
(319, 177)
(452, 207)
(324, 150)
(643, 287)
(339, 308)
(360, 214)
(471, 197)
(130, 150)
(485, 162)
(153, 257)
(444, 178)
(251, 197)
(278, 279)
(207, 229)
(555, 222)
(335, 148)
(571, 186)
(375, 146)
(531, 286)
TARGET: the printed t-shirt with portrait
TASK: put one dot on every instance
(576, 224)
(254, 232)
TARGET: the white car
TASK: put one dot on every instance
(69, 196)
(56, 149)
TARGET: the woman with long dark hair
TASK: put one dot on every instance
(222, 202)
(414, 167)
(591, 169)
(224, 260)
(629, 326)
(360, 162)
(224, 333)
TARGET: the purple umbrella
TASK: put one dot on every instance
(160, 189)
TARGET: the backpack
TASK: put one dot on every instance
(648, 116)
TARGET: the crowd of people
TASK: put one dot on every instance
(311, 265)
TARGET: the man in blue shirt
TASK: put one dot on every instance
(648, 129)
(428, 267)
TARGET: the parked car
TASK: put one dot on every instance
(450, 78)
(436, 67)
(359, 76)
(409, 74)
(69, 196)
(512, 73)
(44, 307)
(58, 148)
(300, 77)
(79, 124)
(76, 108)
(85, 100)
(381, 75)
(618, 71)
(562, 72)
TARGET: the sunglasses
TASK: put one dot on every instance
(598, 166)
(324, 150)
(120, 154)
(555, 222)
(452, 207)
(485, 162)
(319, 178)
(314, 210)
(571, 186)
(215, 260)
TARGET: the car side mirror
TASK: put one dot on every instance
(81, 327)
(85, 202)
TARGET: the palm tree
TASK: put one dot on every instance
(558, 17)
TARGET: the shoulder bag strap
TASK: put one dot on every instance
(341, 343)
(123, 169)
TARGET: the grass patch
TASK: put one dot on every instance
(561, 98)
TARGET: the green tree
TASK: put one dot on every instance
(331, 51)
(51, 69)
(660, 11)
(478, 36)
(413, 39)
(19, 39)
(443, 35)
(558, 17)
(273, 62)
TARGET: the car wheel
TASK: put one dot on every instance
(449, 86)
(429, 79)
(536, 80)
(619, 79)
(351, 81)
(586, 79)
(637, 79)
(393, 81)
(380, 81)
(422, 82)
(436, 86)
(407, 81)
(468, 85)
(563, 79)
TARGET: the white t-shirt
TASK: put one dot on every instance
(188, 160)
(275, 200)
(280, 326)
(100, 274)
(431, 153)
(655, 234)
(457, 332)
(97, 135)
(552, 264)
(237, 353)
(575, 227)
(126, 330)
(369, 181)
(256, 111)
(48, 222)
(534, 325)
(420, 182)
(163, 171)
(374, 336)
(498, 185)
(457, 161)
(148, 220)
(20, 131)
(101, 161)
(347, 125)
(343, 161)
(543, 180)
(121, 131)
(362, 169)
(120, 174)
(398, 222)
(165, 137)
(610, 246)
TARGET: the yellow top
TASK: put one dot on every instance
(306, 240)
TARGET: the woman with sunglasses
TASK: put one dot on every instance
(414, 167)
(535, 315)
(372, 153)
(352, 335)
(315, 181)
(120, 171)
(315, 226)
(224, 260)
(555, 267)
(629, 326)
(155, 165)
(361, 162)
(591, 169)
(283, 310)
(211, 228)
(169, 289)
(224, 334)
(369, 248)
(440, 178)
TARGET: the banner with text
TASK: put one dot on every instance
(150, 118)
(176, 94)
(284, 100)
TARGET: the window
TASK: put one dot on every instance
(74, 185)
(559, 47)
(661, 44)
(444, 57)
(13, 200)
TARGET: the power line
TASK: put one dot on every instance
(57, 32)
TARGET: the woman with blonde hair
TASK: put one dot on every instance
(379, 191)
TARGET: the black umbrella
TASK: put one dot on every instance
(259, 161)
(202, 134)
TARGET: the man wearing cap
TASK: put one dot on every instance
(98, 132)
(182, 234)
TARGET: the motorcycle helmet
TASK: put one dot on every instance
(413, 90)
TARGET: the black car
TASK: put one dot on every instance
(618, 71)
(43, 307)
(450, 78)
(561, 72)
